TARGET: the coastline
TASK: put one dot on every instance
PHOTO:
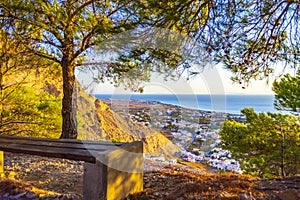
(195, 132)
(227, 103)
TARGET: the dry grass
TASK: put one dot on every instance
(175, 183)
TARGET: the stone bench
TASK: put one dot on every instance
(111, 170)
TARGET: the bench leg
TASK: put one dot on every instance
(115, 175)
(125, 171)
(95, 181)
(121, 183)
(1, 162)
(104, 183)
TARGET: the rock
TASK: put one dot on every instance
(156, 194)
(224, 195)
(199, 197)
(152, 197)
(31, 195)
(147, 185)
(290, 194)
(5, 195)
(144, 196)
(18, 196)
(245, 196)
(49, 198)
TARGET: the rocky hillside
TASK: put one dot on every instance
(96, 121)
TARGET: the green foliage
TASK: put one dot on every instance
(287, 93)
(267, 145)
(256, 35)
(25, 109)
(29, 113)
(185, 16)
(247, 36)
(66, 31)
(61, 31)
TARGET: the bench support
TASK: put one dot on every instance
(115, 175)
(1, 162)
(94, 181)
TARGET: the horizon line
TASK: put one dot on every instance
(269, 94)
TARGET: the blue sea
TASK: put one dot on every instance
(220, 103)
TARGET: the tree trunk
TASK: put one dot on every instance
(282, 153)
(69, 124)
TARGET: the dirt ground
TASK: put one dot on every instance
(57, 176)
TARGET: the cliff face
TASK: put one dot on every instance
(98, 122)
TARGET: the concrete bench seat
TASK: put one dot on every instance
(111, 170)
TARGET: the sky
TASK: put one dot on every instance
(213, 80)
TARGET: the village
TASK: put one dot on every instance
(196, 132)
